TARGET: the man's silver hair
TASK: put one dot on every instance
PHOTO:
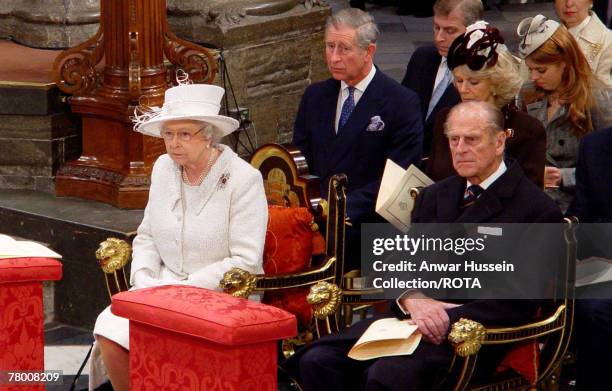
(362, 22)
(489, 113)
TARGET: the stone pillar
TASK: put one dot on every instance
(49, 23)
(273, 50)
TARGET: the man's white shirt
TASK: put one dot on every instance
(359, 90)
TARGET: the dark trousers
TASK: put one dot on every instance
(327, 367)
(594, 344)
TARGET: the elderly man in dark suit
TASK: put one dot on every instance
(487, 190)
(593, 204)
(355, 121)
(427, 73)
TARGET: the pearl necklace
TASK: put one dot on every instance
(206, 170)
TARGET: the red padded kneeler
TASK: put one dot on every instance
(21, 315)
(197, 339)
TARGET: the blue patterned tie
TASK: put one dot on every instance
(439, 91)
(471, 195)
(347, 108)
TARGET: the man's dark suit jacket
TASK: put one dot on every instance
(356, 151)
(527, 146)
(420, 77)
(593, 204)
(593, 200)
(512, 198)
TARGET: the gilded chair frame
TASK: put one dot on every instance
(288, 183)
(468, 336)
(355, 298)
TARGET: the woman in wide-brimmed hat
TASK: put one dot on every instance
(206, 213)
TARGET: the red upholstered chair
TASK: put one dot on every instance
(197, 339)
(21, 313)
(303, 269)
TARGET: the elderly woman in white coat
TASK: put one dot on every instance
(206, 213)
(593, 37)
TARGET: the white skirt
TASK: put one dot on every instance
(112, 327)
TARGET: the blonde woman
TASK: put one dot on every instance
(484, 70)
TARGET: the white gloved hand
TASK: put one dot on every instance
(143, 278)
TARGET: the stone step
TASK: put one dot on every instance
(32, 147)
(30, 98)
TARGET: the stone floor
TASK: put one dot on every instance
(400, 35)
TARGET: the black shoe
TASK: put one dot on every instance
(105, 387)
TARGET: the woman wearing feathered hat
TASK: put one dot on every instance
(206, 213)
(564, 96)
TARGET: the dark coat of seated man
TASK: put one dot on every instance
(477, 144)
(593, 204)
(355, 121)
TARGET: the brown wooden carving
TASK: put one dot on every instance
(108, 75)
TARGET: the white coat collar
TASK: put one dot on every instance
(216, 180)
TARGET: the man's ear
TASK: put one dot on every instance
(371, 50)
(501, 141)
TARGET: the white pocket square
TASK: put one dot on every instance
(376, 124)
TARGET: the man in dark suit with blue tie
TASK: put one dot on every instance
(427, 73)
(355, 121)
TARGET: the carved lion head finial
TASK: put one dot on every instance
(113, 254)
(324, 298)
(467, 336)
(238, 282)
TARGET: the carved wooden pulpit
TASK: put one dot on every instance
(108, 75)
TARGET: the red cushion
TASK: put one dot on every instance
(524, 359)
(290, 244)
(289, 239)
(30, 269)
(204, 313)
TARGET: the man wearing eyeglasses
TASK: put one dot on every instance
(427, 73)
(355, 121)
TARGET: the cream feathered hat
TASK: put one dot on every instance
(535, 31)
(198, 102)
